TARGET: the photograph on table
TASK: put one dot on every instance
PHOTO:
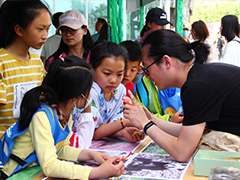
(115, 144)
(153, 148)
(155, 166)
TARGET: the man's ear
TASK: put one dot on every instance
(19, 30)
(149, 24)
(167, 61)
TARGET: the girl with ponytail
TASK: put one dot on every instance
(45, 122)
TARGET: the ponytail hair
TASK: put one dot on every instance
(67, 78)
(200, 51)
(167, 42)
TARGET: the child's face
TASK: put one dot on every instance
(131, 71)
(109, 74)
(35, 34)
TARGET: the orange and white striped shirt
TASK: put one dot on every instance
(16, 78)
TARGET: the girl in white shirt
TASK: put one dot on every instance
(230, 30)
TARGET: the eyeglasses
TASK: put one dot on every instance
(145, 68)
(65, 31)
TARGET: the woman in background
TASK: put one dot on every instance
(230, 30)
(200, 32)
(76, 38)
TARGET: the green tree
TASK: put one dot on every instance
(214, 10)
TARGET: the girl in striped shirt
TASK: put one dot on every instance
(24, 24)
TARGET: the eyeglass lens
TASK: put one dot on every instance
(145, 68)
(65, 31)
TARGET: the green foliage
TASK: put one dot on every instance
(96, 12)
(214, 10)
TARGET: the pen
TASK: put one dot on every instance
(123, 158)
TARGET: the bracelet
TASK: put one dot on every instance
(121, 121)
(148, 125)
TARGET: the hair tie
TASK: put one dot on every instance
(189, 46)
(61, 57)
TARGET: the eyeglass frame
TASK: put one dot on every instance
(71, 31)
(145, 68)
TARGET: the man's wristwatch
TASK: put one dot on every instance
(147, 126)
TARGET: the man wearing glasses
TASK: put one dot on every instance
(166, 104)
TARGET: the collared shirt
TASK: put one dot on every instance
(107, 111)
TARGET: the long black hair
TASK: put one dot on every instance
(230, 27)
(67, 78)
(167, 42)
(103, 36)
(17, 12)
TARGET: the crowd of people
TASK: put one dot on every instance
(54, 106)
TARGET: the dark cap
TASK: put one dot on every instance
(158, 16)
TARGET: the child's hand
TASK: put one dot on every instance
(132, 134)
(99, 157)
(127, 123)
(86, 155)
(112, 167)
(177, 117)
(127, 100)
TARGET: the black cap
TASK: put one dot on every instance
(158, 16)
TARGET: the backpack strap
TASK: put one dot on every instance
(7, 141)
(236, 40)
(17, 159)
(142, 92)
(3, 175)
(49, 113)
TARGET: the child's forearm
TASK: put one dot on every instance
(117, 134)
(105, 130)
